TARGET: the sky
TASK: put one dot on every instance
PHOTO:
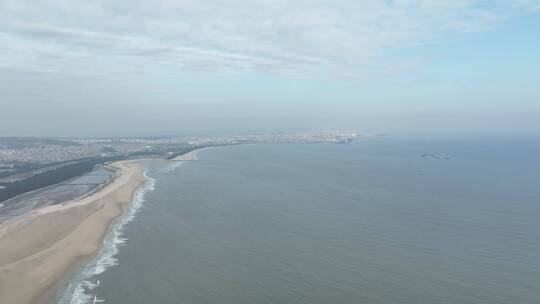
(72, 68)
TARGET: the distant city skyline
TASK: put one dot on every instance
(452, 68)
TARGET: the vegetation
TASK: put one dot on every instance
(51, 177)
(73, 169)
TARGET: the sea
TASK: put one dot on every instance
(382, 220)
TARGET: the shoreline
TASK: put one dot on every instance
(192, 152)
(191, 155)
(41, 247)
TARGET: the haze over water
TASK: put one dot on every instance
(369, 222)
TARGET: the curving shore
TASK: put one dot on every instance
(192, 155)
(39, 248)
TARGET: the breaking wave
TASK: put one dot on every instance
(79, 290)
(171, 167)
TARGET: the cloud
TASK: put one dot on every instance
(280, 36)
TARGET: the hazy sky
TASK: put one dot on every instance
(114, 68)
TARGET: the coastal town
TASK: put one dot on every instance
(28, 164)
(18, 151)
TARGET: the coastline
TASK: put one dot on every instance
(191, 155)
(43, 246)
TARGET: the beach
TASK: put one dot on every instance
(192, 155)
(39, 248)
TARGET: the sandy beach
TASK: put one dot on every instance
(39, 248)
(188, 156)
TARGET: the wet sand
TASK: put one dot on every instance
(39, 248)
(187, 156)
(70, 190)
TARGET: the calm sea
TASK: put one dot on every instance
(379, 221)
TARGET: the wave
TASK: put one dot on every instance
(171, 167)
(79, 290)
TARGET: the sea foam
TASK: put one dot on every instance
(173, 166)
(80, 289)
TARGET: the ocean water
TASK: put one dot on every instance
(81, 287)
(378, 221)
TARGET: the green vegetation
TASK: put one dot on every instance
(51, 177)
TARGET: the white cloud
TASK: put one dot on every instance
(281, 36)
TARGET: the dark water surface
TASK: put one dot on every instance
(369, 222)
(55, 194)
